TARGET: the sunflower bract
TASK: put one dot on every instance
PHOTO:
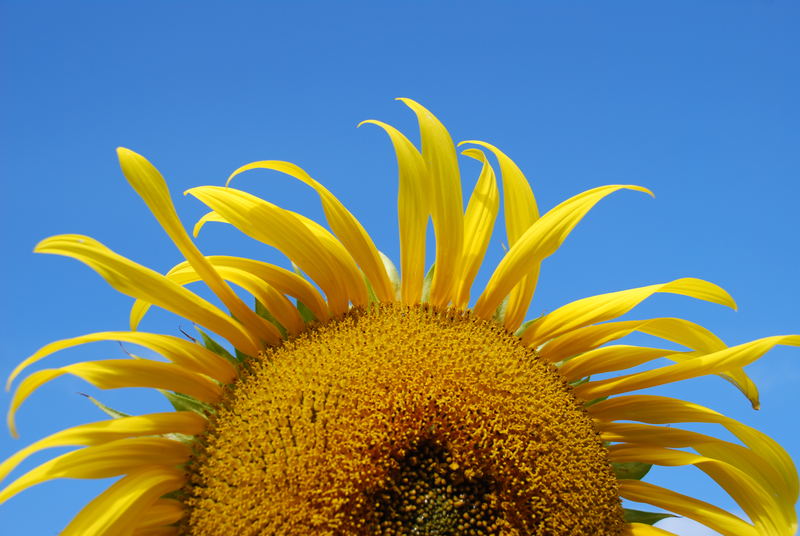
(353, 398)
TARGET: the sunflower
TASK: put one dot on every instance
(358, 398)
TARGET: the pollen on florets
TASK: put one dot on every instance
(401, 420)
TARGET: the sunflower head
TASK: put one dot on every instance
(403, 420)
(359, 397)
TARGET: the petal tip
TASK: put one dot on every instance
(12, 425)
(41, 247)
(124, 154)
(648, 191)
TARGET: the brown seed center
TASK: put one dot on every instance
(402, 421)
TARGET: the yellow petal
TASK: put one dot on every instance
(314, 250)
(157, 531)
(445, 190)
(394, 275)
(640, 529)
(698, 338)
(713, 363)
(283, 280)
(541, 240)
(478, 224)
(117, 510)
(581, 340)
(117, 373)
(758, 463)
(677, 330)
(275, 302)
(103, 461)
(139, 282)
(354, 281)
(609, 359)
(413, 208)
(519, 206)
(770, 516)
(150, 185)
(287, 282)
(162, 512)
(663, 410)
(207, 217)
(343, 224)
(609, 306)
(184, 353)
(96, 433)
(702, 512)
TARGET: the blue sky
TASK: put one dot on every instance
(694, 100)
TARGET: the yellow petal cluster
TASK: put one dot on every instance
(371, 399)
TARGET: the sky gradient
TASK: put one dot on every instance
(697, 101)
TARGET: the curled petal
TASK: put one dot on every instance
(118, 508)
(541, 240)
(187, 354)
(151, 186)
(604, 307)
(139, 282)
(344, 225)
(307, 244)
(731, 358)
(103, 461)
(478, 223)
(702, 512)
(521, 211)
(117, 373)
(444, 185)
(413, 209)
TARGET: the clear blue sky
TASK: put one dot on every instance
(696, 100)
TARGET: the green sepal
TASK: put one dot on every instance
(371, 296)
(216, 347)
(391, 271)
(105, 409)
(525, 325)
(589, 403)
(178, 495)
(181, 438)
(426, 283)
(648, 518)
(305, 313)
(500, 312)
(580, 382)
(264, 313)
(631, 470)
(182, 402)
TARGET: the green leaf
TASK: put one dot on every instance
(183, 402)
(631, 470)
(107, 410)
(648, 518)
(264, 313)
(215, 347)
